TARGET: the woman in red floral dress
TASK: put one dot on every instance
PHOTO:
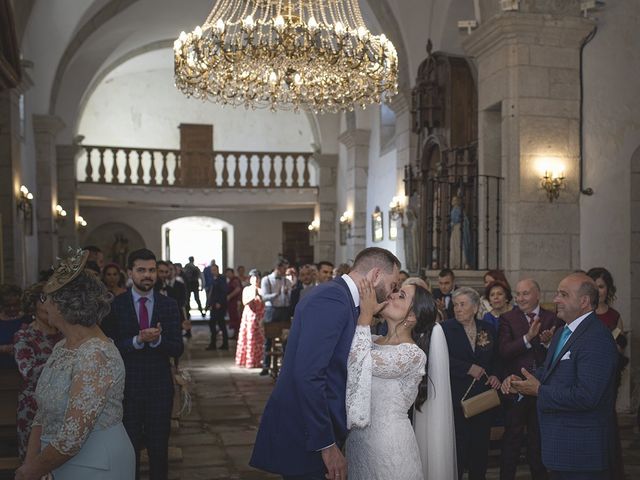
(33, 345)
(250, 347)
(234, 292)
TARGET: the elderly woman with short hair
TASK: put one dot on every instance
(33, 345)
(77, 433)
(472, 362)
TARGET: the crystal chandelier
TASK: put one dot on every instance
(286, 54)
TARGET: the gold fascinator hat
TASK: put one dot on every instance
(68, 269)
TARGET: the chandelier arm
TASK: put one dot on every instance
(354, 7)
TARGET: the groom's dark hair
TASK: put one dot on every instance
(373, 257)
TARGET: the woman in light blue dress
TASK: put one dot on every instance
(77, 433)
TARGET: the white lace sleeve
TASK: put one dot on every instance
(359, 374)
(405, 362)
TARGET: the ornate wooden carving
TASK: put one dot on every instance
(444, 178)
(9, 48)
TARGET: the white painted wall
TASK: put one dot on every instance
(257, 235)
(144, 109)
(612, 134)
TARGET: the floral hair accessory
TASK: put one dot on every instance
(67, 270)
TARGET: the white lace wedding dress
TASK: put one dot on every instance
(382, 384)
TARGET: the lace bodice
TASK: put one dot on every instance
(387, 374)
(79, 391)
(382, 383)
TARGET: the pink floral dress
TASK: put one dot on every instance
(32, 348)
(250, 346)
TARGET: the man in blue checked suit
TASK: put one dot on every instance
(303, 426)
(145, 326)
(575, 387)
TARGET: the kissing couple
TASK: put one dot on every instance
(343, 389)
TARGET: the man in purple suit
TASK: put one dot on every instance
(523, 337)
(304, 426)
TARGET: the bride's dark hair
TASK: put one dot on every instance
(424, 308)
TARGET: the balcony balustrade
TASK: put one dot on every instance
(109, 165)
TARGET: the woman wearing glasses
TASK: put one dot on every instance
(33, 345)
(77, 432)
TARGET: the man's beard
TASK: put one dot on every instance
(381, 293)
(144, 288)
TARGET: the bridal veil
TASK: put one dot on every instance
(434, 426)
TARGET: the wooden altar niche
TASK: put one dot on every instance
(445, 112)
(9, 48)
(196, 155)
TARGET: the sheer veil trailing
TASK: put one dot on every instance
(434, 424)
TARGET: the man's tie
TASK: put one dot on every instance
(564, 336)
(531, 316)
(143, 313)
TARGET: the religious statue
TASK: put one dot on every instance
(460, 245)
(120, 250)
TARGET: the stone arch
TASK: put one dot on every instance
(116, 240)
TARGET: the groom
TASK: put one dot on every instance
(303, 426)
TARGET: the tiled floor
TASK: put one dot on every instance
(216, 438)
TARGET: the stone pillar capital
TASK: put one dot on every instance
(355, 138)
(47, 124)
(527, 28)
(401, 103)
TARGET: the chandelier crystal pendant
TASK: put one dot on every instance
(286, 54)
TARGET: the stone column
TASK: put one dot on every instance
(406, 146)
(528, 76)
(357, 143)
(66, 187)
(12, 256)
(325, 244)
(45, 129)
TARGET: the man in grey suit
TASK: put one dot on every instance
(575, 387)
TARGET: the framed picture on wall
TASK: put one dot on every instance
(344, 233)
(393, 227)
(377, 225)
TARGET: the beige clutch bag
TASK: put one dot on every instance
(479, 403)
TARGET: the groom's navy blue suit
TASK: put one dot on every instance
(306, 411)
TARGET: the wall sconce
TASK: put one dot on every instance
(314, 226)
(345, 226)
(396, 207)
(24, 204)
(552, 184)
(80, 222)
(61, 214)
(313, 231)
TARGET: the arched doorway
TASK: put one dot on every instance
(204, 238)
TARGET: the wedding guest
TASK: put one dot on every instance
(218, 303)
(490, 277)
(613, 321)
(77, 432)
(114, 279)
(499, 295)
(12, 318)
(473, 351)
(443, 294)
(241, 274)
(234, 296)
(341, 269)
(33, 345)
(250, 347)
(402, 276)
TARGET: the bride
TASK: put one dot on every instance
(386, 375)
